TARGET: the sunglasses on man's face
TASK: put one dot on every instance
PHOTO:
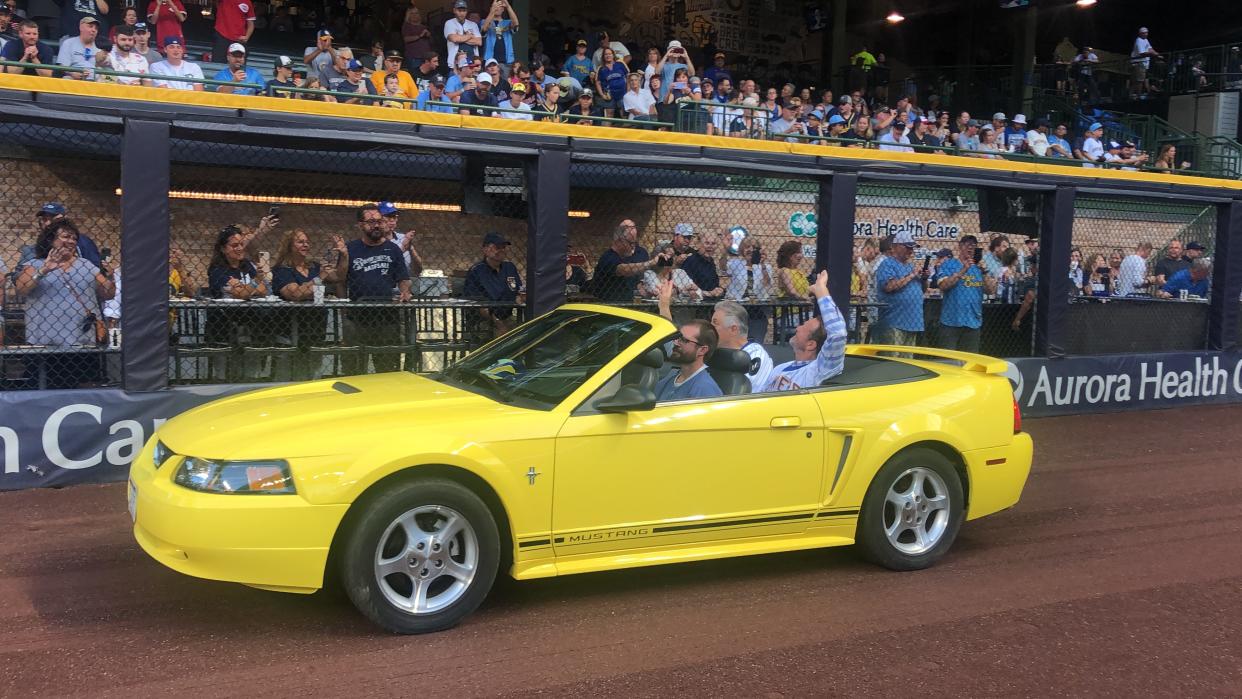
(682, 339)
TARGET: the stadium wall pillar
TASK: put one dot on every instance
(145, 173)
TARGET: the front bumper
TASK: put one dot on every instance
(998, 475)
(271, 541)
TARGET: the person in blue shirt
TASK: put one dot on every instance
(238, 72)
(900, 285)
(496, 30)
(717, 71)
(674, 58)
(495, 278)
(1195, 281)
(434, 93)
(372, 267)
(962, 286)
(579, 65)
(692, 347)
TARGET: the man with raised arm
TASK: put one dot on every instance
(818, 345)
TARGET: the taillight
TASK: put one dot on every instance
(1017, 417)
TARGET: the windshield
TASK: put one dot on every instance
(545, 360)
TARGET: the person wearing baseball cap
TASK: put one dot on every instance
(79, 51)
(1015, 134)
(675, 57)
(283, 71)
(717, 71)
(496, 279)
(175, 65)
(837, 126)
(963, 285)
(54, 211)
(461, 34)
(234, 25)
(476, 102)
(393, 60)
(1140, 60)
(900, 285)
(320, 56)
(585, 110)
(238, 72)
(435, 92)
(1092, 145)
(579, 66)
(353, 83)
(517, 97)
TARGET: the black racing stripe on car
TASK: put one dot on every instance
(837, 513)
(536, 542)
(559, 540)
(732, 523)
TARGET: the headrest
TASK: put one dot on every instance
(724, 359)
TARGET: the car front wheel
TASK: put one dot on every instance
(421, 557)
(912, 511)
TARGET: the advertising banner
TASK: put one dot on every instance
(55, 438)
(1114, 383)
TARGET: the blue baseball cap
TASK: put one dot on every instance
(1095, 126)
(353, 65)
(140, 27)
(816, 114)
(386, 208)
(836, 119)
(325, 32)
(53, 208)
(174, 40)
(494, 238)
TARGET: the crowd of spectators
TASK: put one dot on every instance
(588, 78)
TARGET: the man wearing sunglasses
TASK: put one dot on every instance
(691, 348)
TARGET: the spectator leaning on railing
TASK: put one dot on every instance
(175, 65)
(1195, 281)
(79, 51)
(27, 49)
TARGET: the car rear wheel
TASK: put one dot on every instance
(421, 557)
(912, 511)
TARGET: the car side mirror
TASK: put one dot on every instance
(626, 399)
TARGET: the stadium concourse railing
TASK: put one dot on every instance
(159, 179)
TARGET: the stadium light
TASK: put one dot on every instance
(1085, 3)
(894, 17)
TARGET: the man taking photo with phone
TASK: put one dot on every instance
(963, 283)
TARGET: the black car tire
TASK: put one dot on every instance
(361, 554)
(879, 515)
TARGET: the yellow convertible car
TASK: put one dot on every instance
(546, 453)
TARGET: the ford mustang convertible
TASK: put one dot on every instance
(546, 453)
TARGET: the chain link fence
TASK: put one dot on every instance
(60, 257)
(291, 264)
(1140, 287)
(717, 237)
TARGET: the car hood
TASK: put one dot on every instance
(322, 417)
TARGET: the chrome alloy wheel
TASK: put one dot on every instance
(426, 559)
(916, 511)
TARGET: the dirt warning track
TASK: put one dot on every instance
(1120, 572)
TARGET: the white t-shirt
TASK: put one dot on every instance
(1132, 276)
(1093, 149)
(456, 26)
(1141, 46)
(132, 62)
(524, 116)
(640, 101)
(185, 70)
(648, 71)
(890, 143)
(1037, 141)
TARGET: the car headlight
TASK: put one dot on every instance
(270, 477)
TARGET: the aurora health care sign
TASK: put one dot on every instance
(1125, 382)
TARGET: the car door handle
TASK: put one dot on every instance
(779, 423)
